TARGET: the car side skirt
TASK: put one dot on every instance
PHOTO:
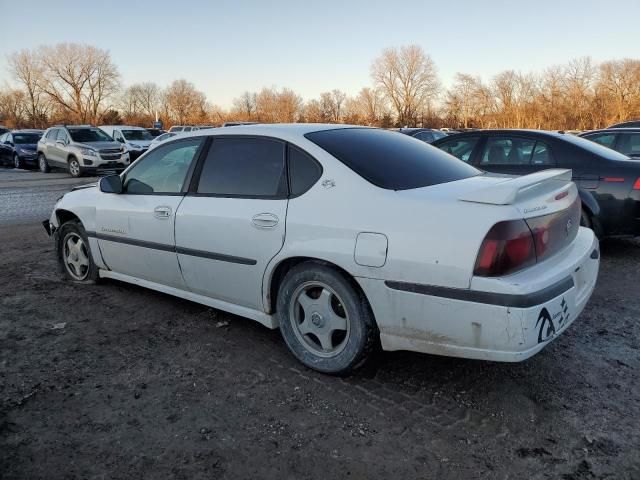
(269, 321)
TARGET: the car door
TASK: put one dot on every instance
(56, 150)
(232, 222)
(48, 141)
(135, 229)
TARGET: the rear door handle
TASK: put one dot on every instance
(264, 220)
(162, 212)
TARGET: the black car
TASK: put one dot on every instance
(3, 129)
(623, 140)
(18, 148)
(427, 135)
(628, 124)
(608, 182)
(155, 132)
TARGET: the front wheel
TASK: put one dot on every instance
(17, 163)
(43, 165)
(74, 167)
(75, 254)
(324, 319)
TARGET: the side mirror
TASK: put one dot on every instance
(111, 184)
(60, 142)
(121, 140)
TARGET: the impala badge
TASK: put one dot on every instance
(329, 183)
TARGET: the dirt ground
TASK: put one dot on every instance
(113, 381)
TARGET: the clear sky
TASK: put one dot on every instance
(226, 47)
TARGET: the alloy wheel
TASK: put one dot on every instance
(319, 319)
(76, 256)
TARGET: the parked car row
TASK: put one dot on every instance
(19, 148)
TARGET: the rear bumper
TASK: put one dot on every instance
(505, 319)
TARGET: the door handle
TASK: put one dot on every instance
(264, 220)
(162, 212)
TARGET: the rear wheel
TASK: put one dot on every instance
(324, 320)
(43, 165)
(75, 254)
(585, 219)
(74, 167)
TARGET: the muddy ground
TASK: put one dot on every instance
(114, 381)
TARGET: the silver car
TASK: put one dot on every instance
(82, 150)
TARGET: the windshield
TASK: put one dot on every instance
(84, 135)
(26, 138)
(137, 135)
(594, 147)
(390, 160)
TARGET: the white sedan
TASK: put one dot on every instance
(344, 238)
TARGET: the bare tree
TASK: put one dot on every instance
(78, 78)
(621, 80)
(13, 108)
(244, 107)
(26, 68)
(183, 102)
(409, 80)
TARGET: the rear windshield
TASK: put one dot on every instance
(82, 135)
(391, 160)
(594, 147)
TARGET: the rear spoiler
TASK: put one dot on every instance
(512, 189)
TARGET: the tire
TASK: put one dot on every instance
(334, 332)
(43, 165)
(17, 163)
(74, 253)
(585, 219)
(74, 167)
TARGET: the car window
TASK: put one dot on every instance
(53, 134)
(82, 135)
(594, 148)
(136, 135)
(26, 138)
(3, 138)
(605, 139)
(389, 160)
(117, 136)
(164, 169)
(245, 167)
(542, 154)
(62, 136)
(629, 144)
(425, 137)
(304, 171)
(461, 148)
(507, 151)
(437, 135)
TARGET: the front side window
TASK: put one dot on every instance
(117, 136)
(62, 137)
(389, 160)
(52, 134)
(163, 170)
(606, 139)
(461, 148)
(83, 135)
(244, 167)
(507, 151)
(629, 144)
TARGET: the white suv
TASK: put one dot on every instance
(82, 150)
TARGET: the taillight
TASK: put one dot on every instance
(507, 248)
(636, 186)
(513, 245)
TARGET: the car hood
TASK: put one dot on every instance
(99, 145)
(142, 143)
(26, 146)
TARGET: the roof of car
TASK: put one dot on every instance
(506, 131)
(613, 130)
(275, 129)
(129, 127)
(27, 130)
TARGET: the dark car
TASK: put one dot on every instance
(628, 124)
(623, 140)
(156, 132)
(3, 129)
(427, 135)
(608, 182)
(19, 148)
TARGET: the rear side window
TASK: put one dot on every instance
(606, 139)
(52, 134)
(425, 137)
(461, 148)
(304, 171)
(244, 167)
(389, 160)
